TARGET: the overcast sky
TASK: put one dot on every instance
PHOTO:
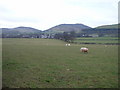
(44, 14)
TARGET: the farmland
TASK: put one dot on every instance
(48, 63)
(98, 40)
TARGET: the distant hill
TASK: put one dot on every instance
(67, 28)
(113, 26)
(21, 30)
(15, 32)
(80, 29)
(105, 30)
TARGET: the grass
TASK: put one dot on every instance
(48, 63)
(98, 40)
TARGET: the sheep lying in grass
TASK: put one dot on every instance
(84, 49)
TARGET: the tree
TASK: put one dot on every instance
(72, 35)
(66, 36)
(69, 36)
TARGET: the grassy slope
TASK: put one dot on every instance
(67, 28)
(45, 63)
(108, 26)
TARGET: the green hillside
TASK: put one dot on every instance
(67, 28)
(105, 30)
(79, 29)
(21, 30)
(115, 26)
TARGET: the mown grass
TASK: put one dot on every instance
(47, 63)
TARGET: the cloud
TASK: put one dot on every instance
(43, 14)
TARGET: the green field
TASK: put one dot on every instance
(98, 40)
(48, 63)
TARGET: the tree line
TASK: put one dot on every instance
(66, 36)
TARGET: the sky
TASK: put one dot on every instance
(44, 14)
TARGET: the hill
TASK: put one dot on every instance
(105, 30)
(67, 28)
(18, 31)
(21, 30)
(80, 30)
(113, 26)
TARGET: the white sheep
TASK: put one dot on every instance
(84, 49)
(67, 44)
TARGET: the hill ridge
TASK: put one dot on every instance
(79, 29)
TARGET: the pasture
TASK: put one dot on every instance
(48, 63)
(98, 40)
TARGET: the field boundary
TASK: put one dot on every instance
(98, 43)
